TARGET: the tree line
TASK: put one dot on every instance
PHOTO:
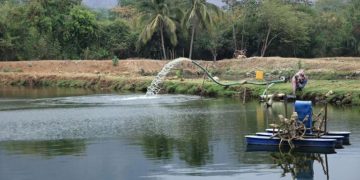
(167, 29)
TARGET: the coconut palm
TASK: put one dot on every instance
(199, 15)
(158, 16)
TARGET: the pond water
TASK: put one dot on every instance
(81, 134)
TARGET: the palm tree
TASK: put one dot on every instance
(199, 15)
(158, 17)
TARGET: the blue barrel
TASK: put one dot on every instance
(304, 108)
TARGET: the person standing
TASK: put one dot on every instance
(298, 81)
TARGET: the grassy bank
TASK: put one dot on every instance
(343, 91)
(339, 75)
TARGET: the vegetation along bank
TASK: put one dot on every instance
(167, 29)
(335, 80)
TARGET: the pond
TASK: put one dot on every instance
(82, 134)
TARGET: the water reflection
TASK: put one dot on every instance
(192, 146)
(45, 148)
(157, 146)
(30, 93)
(299, 165)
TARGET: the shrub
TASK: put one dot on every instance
(115, 61)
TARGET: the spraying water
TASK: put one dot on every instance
(154, 87)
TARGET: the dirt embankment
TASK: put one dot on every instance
(142, 67)
(136, 74)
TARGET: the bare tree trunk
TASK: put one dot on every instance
(192, 40)
(214, 54)
(242, 34)
(162, 42)
(173, 53)
(263, 50)
(234, 37)
(170, 54)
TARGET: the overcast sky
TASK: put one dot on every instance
(112, 3)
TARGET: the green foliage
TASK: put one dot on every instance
(66, 29)
(56, 30)
(115, 37)
(115, 61)
(199, 15)
(10, 69)
(213, 38)
(281, 22)
(80, 29)
(299, 65)
(158, 16)
(180, 73)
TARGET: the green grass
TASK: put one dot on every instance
(11, 69)
(344, 91)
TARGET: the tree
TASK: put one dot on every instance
(353, 15)
(81, 29)
(332, 29)
(115, 36)
(158, 16)
(213, 39)
(199, 15)
(234, 15)
(13, 31)
(281, 21)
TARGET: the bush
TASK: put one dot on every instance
(180, 73)
(115, 61)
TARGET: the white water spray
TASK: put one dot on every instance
(154, 87)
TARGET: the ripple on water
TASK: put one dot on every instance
(92, 100)
(85, 116)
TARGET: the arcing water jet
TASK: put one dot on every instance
(154, 87)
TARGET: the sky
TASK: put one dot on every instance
(112, 3)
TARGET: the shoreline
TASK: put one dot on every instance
(313, 92)
(337, 75)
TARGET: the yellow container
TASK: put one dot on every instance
(259, 75)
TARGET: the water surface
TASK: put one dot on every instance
(82, 134)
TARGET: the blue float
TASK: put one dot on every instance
(275, 141)
(303, 109)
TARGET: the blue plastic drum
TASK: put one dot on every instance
(303, 109)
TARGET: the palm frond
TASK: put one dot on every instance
(171, 29)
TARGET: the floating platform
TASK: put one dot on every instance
(261, 148)
(345, 134)
(314, 139)
(339, 139)
(270, 130)
(275, 141)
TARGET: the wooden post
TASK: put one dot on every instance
(267, 118)
(327, 167)
(202, 86)
(285, 103)
(325, 116)
(244, 97)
